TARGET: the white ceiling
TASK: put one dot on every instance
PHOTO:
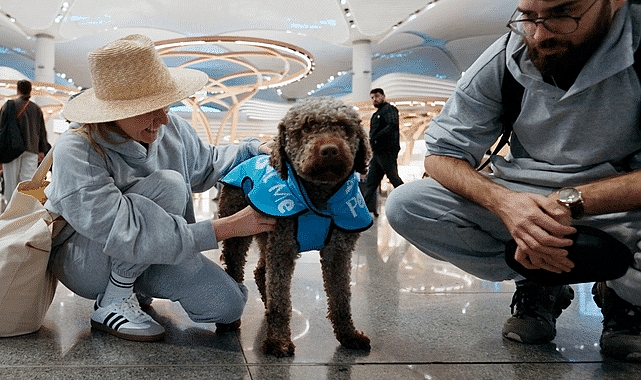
(435, 39)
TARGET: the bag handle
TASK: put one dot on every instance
(43, 168)
(37, 184)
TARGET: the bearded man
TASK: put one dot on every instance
(577, 130)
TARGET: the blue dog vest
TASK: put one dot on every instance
(272, 195)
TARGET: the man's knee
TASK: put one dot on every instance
(396, 207)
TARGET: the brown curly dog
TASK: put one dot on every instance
(320, 143)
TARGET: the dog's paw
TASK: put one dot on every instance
(278, 348)
(227, 327)
(357, 341)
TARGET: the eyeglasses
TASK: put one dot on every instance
(561, 24)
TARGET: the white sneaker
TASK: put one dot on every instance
(126, 320)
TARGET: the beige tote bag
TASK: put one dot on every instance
(26, 227)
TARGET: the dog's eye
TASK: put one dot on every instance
(348, 132)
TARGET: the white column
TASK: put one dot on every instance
(362, 69)
(45, 58)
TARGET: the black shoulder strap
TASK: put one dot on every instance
(512, 95)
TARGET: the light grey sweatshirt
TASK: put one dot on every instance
(87, 190)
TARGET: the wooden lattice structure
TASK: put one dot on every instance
(255, 64)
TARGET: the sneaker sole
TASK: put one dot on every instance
(517, 338)
(513, 326)
(132, 337)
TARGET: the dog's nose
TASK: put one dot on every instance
(329, 150)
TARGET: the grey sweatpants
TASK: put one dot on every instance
(203, 289)
(453, 229)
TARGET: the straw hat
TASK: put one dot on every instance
(129, 78)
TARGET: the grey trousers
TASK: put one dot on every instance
(202, 288)
(450, 228)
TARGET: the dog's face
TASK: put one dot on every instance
(323, 140)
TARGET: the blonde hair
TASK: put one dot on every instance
(90, 130)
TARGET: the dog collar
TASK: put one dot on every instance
(268, 193)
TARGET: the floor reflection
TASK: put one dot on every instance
(426, 320)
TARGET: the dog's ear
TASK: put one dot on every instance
(278, 159)
(364, 152)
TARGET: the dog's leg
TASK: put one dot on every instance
(234, 256)
(234, 250)
(234, 259)
(336, 259)
(280, 254)
(259, 271)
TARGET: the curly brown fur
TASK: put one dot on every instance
(324, 142)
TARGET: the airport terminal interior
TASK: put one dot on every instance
(426, 319)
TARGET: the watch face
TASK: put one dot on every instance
(569, 195)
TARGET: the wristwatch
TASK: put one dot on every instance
(571, 197)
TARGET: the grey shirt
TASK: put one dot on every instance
(563, 138)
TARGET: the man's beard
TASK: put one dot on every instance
(568, 63)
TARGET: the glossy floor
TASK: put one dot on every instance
(426, 320)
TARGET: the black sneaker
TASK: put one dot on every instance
(621, 337)
(535, 309)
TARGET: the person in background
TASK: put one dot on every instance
(575, 61)
(32, 124)
(384, 139)
(123, 180)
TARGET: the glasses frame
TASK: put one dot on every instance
(512, 24)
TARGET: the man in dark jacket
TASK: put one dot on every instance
(384, 139)
(31, 122)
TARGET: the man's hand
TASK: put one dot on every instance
(539, 226)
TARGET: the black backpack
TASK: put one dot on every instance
(12, 142)
(512, 93)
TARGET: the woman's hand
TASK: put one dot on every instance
(266, 147)
(246, 222)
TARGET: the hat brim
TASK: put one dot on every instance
(86, 108)
(597, 256)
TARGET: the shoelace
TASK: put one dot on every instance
(131, 310)
(523, 300)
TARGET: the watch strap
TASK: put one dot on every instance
(576, 209)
